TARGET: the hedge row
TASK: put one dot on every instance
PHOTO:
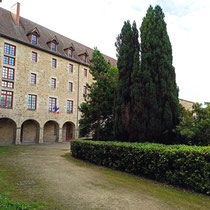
(179, 165)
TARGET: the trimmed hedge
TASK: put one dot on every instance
(179, 165)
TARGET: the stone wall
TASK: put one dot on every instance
(24, 66)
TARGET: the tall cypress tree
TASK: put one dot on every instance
(156, 104)
(127, 45)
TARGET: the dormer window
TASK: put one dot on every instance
(69, 50)
(33, 39)
(52, 43)
(83, 56)
(33, 36)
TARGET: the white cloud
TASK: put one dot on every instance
(97, 23)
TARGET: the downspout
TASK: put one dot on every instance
(77, 123)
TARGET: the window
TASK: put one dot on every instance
(33, 79)
(9, 60)
(85, 72)
(6, 99)
(54, 63)
(7, 84)
(84, 58)
(8, 73)
(69, 52)
(70, 87)
(69, 106)
(9, 49)
(34, 56)
(52, 104)
(53, 46)
(71, 68)
(84, 90)
(53, 83)
(33, 39)
(32, 99)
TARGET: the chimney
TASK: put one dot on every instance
(15, 12)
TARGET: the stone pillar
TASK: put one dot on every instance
(41, 135)
(18, 134)
(60, 136)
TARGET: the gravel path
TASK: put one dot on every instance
(71, 184)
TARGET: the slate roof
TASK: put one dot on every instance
(18, 33)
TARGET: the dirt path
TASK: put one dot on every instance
(72, 184)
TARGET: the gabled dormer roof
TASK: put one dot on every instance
(53, 39)
(34, 31)
(71, 46)
(85, 52)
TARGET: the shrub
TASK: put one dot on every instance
(179, 165)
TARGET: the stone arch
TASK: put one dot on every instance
(68, 131)
(51, 131)
(8, 129)
(30, 130)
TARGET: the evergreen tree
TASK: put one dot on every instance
(97, 110)
(127, 45)
(156, 104)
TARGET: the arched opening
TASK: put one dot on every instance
(8, 129)
(30, 132)
(68, 131)
(51, 131)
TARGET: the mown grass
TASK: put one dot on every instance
(11, 197)
(173, 196)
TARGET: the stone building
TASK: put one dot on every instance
(41, 73)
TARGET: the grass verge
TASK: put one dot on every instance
(173, 196)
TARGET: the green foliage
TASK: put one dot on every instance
(156, 105)
(6, 204)
(127, 45)
(194, 127)
(180, 165)
(97, 110)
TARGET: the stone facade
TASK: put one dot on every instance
(186, 104)
(40, 125)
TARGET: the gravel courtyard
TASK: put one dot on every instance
(48, 174)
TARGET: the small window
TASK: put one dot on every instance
(52, 104)
(34, 57)
(33, 39)
(9, 60)
(84, 58)
(53, 83)
(9, 49)
(8, 73)
(84, 90)
(69, 106)
(33, 79)
(54, 63)
(6, 99)
(70, 52)
(53, 46)
(85, 72)
(7, 84)
(71, 68)
(32, 100)
(70, 87)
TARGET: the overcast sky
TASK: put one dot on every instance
(96, 23)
